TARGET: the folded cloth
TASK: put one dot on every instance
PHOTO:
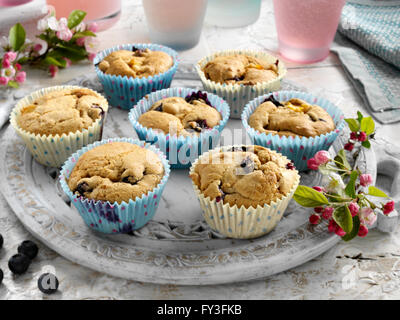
(372, 58)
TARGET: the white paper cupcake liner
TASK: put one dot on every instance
(241, 222)
(297, 149)
(237, 95)
(54, 150)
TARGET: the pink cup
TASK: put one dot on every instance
(306, 28)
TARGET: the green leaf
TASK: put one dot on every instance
(342, 160)
(354, 231)
(366, 144)
(353, 124)
(75, 18)
(13, 84)
(351, 185)
(375, 192)
(73, 55)
(23, 60)
(367, 125)
(54, 61)
(359, 116)
(82, 34)
(17, 36)
(308, 197)
(343, 218)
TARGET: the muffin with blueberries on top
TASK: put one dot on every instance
(239, 76)
(183, 116)
(293, 123)
(243, 190)
(182, 122)
(129, 72)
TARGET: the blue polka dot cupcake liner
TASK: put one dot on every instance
(241, 222)
(115, 218)
(125, 92)
(238, 95)
(54, 150)
(181, 151)
(298, 149)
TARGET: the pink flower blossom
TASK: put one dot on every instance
(367, 216)
(388, 207)
(314, 219)
(339, 231)
(366, 179)
(3, 81)
(91, 44)
(353, 136)
(322, 157)
(64, 34)
(20, 77)
(37, 47)
(53, 70)
(319, 189)
(68, 61)
(363, 231)
(91, 56)
(312, 164)
(349, 146)
(6, 63)
(8, 72)
(332, 225)
(318, 209)
(362, 136)
(353, 207)
(93, 27)
(80, 41)
(10, 56)
(327, 213)
(17, 66)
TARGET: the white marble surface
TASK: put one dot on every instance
(340, 273)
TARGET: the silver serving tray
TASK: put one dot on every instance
(177, 246)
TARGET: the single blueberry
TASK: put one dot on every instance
(19, 263)
(28, 248)
(274, 101)
(82, 188)
(48, 283)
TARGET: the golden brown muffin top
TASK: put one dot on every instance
(138, 63)
(116, 172)
(245, 176)
(183, 116)
(62, 111)
(240, 69)
(291, 118)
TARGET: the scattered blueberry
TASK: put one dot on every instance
(239, 78)
(274, 101)
(82, 187)
(98, 107)
(242, 148)
(248, 165)
(28, 248)
(197, 96)
(1, 276)
(159, 108)
(1, 241)
(19, 263)
(48, 283)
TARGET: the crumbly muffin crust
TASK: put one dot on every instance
(138, 63)
(183, 116)
(246, 176)
(291, 118)
(116, 172)
(63, 111)
(240, 69)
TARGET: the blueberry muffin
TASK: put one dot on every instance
(183, 116)
(138, 63)
(116, 172)
(291, 118)
(244, 176)
(240, 69)
(62, 112)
